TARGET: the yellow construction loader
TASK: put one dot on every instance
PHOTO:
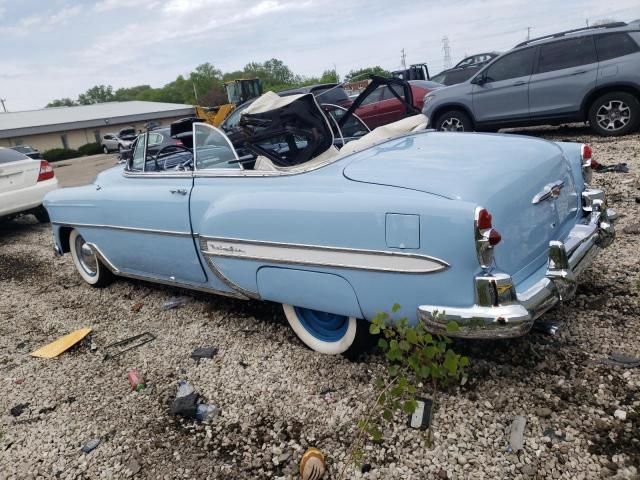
(238, 91)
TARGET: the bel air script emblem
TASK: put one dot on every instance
(222, 248)
(551, 190)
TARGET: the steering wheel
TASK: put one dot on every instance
(166, 147)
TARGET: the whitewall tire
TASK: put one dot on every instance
(87, 263)
(328, 333)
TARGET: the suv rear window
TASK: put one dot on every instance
(566, 54)
(8, 155)
(612, 45)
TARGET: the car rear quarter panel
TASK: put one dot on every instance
(323, 208)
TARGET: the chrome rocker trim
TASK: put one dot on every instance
(502, 312)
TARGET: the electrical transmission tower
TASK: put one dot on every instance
(403, 59)
(447, 52)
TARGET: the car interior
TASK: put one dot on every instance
(274, 133)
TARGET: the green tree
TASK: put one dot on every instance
(61, 102)
(364, 73)
(131, 93)
(97, 94)
(330, 76)
(204, 79)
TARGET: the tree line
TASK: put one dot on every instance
(205, 85)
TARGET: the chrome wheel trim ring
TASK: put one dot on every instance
(613, 115)
(86, 257)
(452, 124)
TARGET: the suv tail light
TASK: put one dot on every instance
(486, 237)
(46, 171)
(588, 163)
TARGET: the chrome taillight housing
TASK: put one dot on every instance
(588, 163)
(486, 237)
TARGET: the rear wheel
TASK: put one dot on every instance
(87, 263)
(615, 113)
(454, 121)
(329, 333)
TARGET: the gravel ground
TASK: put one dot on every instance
(278, 398)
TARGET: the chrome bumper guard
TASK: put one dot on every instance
(500, 311)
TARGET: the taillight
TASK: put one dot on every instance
(486, 237)
(588, 163)
(178, 142)
(46, 171)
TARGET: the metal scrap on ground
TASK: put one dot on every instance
(124, 345)
(62, 344)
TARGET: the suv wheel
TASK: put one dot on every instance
(454, 121)
(615, 113)
(105, 149)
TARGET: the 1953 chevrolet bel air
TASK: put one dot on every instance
(484, 229)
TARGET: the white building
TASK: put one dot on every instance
(71, 127)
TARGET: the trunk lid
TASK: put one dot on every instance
(19, 174)
(502, 173)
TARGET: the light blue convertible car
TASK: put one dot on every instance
(488, 230)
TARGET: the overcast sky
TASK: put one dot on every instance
(59, 48)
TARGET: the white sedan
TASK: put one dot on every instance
(23, 184)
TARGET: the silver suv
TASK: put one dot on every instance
(590, 74)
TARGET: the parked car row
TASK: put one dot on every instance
(589, 74)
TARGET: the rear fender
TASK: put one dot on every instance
(331, 293)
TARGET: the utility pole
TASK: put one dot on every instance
(528, 33)
(587, 22)
(195, 93)
(403, 60)
(2, 100)
(447, 52)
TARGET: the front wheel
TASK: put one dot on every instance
(454, 121)
(616, 113)
(41, 214)
(105, 149)
(90, 268)
(329, 333)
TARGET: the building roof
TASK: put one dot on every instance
(58, 119)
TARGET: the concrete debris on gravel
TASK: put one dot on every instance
(267, 385)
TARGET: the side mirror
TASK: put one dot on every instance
(479, 80)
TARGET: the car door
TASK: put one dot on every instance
(369, 109)
(566, 71)
(390, 109)
(146, 214)
(501, 91)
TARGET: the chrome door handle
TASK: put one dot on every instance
(517, 84)
(178, 191)
(578, 72)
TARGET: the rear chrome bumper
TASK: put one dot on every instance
(500, 311)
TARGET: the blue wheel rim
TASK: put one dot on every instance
(327, 327)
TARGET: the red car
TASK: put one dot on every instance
(382, 107)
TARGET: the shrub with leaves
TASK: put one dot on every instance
(57, 154)
(418, 364)
(90, 149)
